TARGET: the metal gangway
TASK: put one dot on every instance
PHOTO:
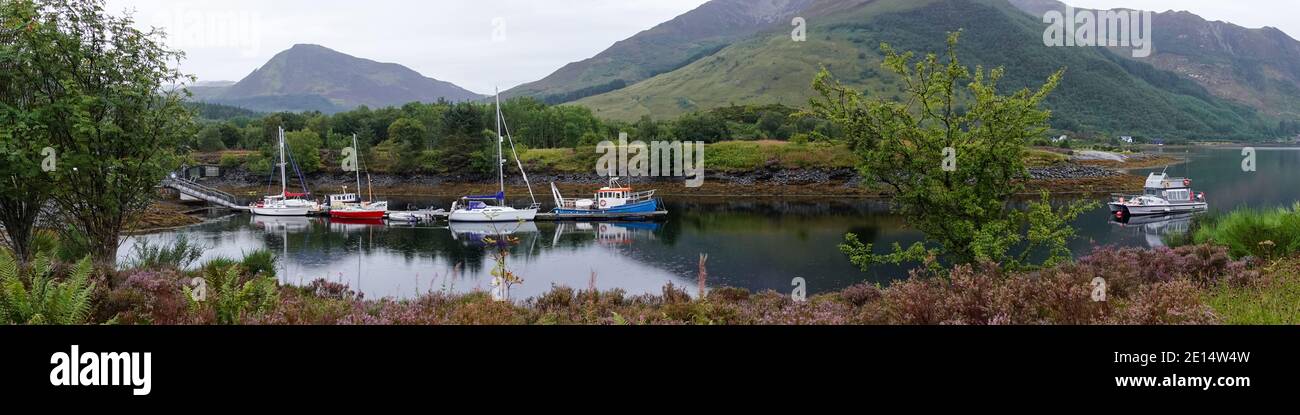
(205, 193)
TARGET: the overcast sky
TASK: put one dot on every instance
(479, 44)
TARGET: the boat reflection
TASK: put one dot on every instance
(293, 224)
(608, 233)
(352, 225)
(1155, 228)
(473, 233)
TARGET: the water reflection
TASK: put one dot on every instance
(1153, 229)
(753, 243)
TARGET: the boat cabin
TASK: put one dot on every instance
(608, 197)
(1173, 189)
(338, 201)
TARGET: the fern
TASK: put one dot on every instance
(49, 300)
(234, 300)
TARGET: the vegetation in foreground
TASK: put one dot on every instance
(1199, 284)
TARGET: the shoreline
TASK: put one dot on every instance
(1063, 178)
(1075, 177)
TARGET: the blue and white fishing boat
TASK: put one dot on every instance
(613, 200)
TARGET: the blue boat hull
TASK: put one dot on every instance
(648, 206)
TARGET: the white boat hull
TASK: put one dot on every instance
(493, 214)
(1140, 210)
(285, 211)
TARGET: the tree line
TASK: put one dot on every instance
(442, 136)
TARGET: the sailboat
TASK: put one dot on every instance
(350, 206)
(285, 203)
(477, 208)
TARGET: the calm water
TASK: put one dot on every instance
(756, 244)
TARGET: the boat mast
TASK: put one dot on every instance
(356, 151)
(501, 161)
(284, 181)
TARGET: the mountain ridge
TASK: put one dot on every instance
(309, 77)
(770, 68)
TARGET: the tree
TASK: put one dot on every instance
(305, 147)
(113, 115)
(952, 174)
(463, 127)
(230, 135)
(705, 127)
(409, 132)
(770, 123)
(210, 139)
(24, 185)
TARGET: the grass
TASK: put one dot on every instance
(1261, 233)
(1043, 158)
(727, 156)
(1275, 301)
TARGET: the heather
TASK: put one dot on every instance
(1188, 285)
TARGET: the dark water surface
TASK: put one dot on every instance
(752, 243)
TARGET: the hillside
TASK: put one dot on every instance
(312, 77)
(664, 48)
(1099, 93)
(1259, 68)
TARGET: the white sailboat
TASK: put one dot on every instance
(477, 209)
(285, 203)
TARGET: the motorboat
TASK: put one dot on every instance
(1161, 195)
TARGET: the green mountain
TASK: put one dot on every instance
(1259, 68)
(664, 48)
(312, 77)
(1102, 91)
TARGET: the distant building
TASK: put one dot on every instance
(1126, 139)
(201, 172)
(1061, 139)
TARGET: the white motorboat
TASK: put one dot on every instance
(477, 209)
(285, 203)
(1162, 195)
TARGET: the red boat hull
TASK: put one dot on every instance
(357, 214)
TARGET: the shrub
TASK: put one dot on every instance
(1267, 234)
(860, 294)
(180, 254)
(259, 262)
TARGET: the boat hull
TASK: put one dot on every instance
(489, 215)
(283, 211)
(1142, 210)
(357, 214)
(645, 206)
